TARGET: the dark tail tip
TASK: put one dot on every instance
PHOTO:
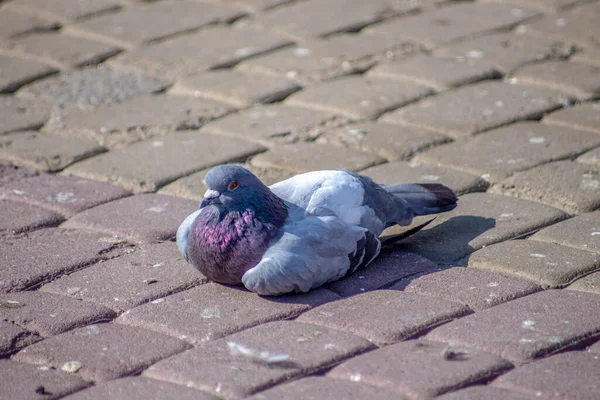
(443, 193)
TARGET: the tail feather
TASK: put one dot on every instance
(420, 199)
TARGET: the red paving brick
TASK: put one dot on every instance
(13, 338)
(17, 218)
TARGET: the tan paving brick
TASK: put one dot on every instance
(399, 315)
(584, 116)
(479, 107)
(130, 280)
(438, 73)
(48, 314)
(143, 117)
(479, 221)
(231, 375)
(25, 382)
(475, 288)
(65, 10)
(359, 98)
(388, 141)
(21, 114)
(240, 89)
(409, 172)
(589, 283)
(499, 153)
(140, 25)
(454, 22)
(259, 5)
(304, 157)
(16, 72)
(45, 254)
(210, 48)
(507, 50)
(527, 328)
(13, 22)
(148, 165)
(542, 5)
(45, 151)
(485, 393)
(587, 55)
(10, 172)
(211, 311)
(591, 157)
(567, 185)
(419, 370)
(274, 124)
(581, 232)
(145, 218)
(103, 351)
(16, 218)
(569, 375)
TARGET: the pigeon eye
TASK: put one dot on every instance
(233, 185)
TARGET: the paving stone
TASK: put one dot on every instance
(386, 269)
(501, 152)
(588, 54)
(64, 194)
(210, 48)
(13, 338)
(48, 314)
(45, 151)
(148, 165)
(259, 5)
(479, 221)
(193, 187)
(21, 114)
(420, 369)
(139, 388)
(65, 50)
(145, 218)
(13, 22)
(315, 388)
(330, 57)
(584, 116)
(103, 351)
(211, 311)
(478, 107)
(567, 185)
(507, 50)
(579, 80)
(399, 315)
(231, 373)
(92, 86)
(451, 23)
(484, 393)
(594, 348)
(527, 328)
(16, 72)
(438, 73)
(304, 157)
(140, 25)
(358, 97)
(301, 20)
(409, 172)
(25, 382)
(589, 283)
(17, 218)
(10, 172)
(591, 157)
(240, 89)
(130, 280)
(569, 375)
(544, 263)
(274, 124)
(65, 10)
(391, 142)
(475, 288)
(118, 124)
(48, 253)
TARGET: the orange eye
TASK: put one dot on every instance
(233, 185)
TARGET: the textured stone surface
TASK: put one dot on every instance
(49, 314)
(231, 374)
(419, 370)
(17, 218)
(103, 351)
(13, 22)
(589, 283)
(130, 280)
(591, 157)
(499, 153)
(13, 337)
(10, 172)
(145, 218)
(20, 114)
(584, 116)
(588, 54)
(527, 328)
(485, 393)
(16, 72)
(475, 288)
(399, 315)
(478, 107)
(359, 98)
(567, 185)
(542, 5)
(46, 254)
(581, 232)
(544, 263)
(23, 381)
(211, 311)
(64, 10)
(64, 194)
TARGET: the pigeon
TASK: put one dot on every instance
(300, 233)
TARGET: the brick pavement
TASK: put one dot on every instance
(112, 111)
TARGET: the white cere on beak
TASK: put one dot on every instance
(211, 194)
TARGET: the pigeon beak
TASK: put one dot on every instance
(210, 197)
